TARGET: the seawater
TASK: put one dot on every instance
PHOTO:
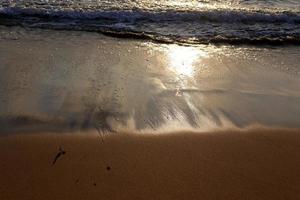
(181, 21)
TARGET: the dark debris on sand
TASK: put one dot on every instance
(59, 154)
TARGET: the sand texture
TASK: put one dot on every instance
(253, 164)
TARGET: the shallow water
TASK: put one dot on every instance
(64, 80)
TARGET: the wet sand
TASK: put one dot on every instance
(70, 81)
(250, 164)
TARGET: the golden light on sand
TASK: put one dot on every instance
(182, 59)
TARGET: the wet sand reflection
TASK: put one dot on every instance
(91, 81)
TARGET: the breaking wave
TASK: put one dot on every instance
(234, 26)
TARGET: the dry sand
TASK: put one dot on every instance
(249, 164)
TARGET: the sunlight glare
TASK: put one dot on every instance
(182, 59)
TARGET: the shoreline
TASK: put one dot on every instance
(61, 89)
(61, 81)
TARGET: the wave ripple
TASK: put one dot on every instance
(214, 25)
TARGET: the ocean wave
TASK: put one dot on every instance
(207, 15)
(218, 39)
(233, 26)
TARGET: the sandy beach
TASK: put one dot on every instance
(250, 164)
(85, 116)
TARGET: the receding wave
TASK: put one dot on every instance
(236, 26)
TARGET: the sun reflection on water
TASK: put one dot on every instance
(182, 59)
